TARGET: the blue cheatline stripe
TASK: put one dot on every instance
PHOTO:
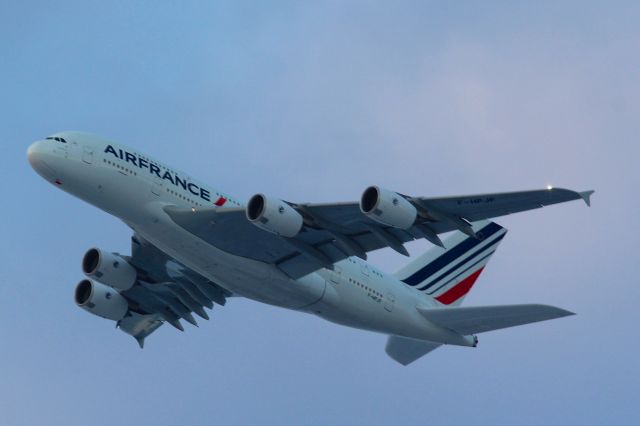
(461, 273)
(493, 244)
(450, 255)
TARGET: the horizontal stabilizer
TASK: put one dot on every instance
(478, 319)
(406, 350)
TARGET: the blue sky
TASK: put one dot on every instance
(314, 101)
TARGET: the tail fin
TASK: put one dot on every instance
(448, 275)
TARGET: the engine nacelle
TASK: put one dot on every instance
(388, 207)
(109, 269)
(274, 215)
(100, 300)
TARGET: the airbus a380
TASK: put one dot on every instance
(194, 245)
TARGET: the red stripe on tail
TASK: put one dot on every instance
(459, 290)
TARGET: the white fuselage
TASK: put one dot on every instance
(135, 188)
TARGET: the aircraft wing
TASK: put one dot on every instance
(335, 231)
(487, 206)
(166, 291)
(479, 319)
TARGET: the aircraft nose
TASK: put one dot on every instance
(37, 154)
(32, 153)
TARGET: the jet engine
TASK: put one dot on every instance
(101, 300)
(388, 207)
(109, 269)
(274, 215)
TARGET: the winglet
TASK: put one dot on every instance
(586, 196)
(140, 341)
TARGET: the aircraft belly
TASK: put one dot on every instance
(338, 303)
(345, 304)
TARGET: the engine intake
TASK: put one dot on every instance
(100, 300)
(388, 207)
(109, 269)
(274, 215)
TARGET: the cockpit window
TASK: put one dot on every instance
(56, 139)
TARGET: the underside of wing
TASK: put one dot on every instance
(313, 248)
(487, 206)
(165, 291)
(302, 238)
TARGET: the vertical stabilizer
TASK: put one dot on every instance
(448, 275)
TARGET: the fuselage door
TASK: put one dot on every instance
(365, 272)
(364, 268)
(156, 186)
(61, 148)
(335, 275)
(389, 301)
(87, 154)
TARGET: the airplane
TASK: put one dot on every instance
(194, 246)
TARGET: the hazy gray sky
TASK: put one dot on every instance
(313, 101)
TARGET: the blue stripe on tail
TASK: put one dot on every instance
(451, 255)
(469, 258)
